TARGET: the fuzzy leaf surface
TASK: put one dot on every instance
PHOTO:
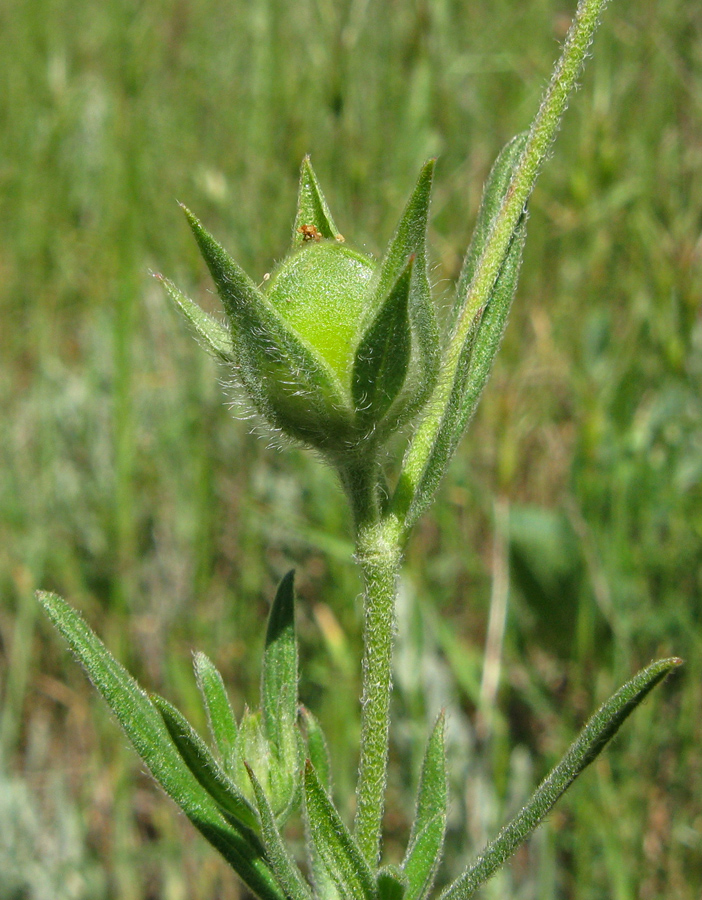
(212, 336)
(146, 729)
(204, 767)
(480, 348)
(281, 861)
(592, 739)
(220, 715)
(427, 837)
(383, 354)
(317, 749)
(312, 208)
(279, 675)
(334, 843)
(392, 883)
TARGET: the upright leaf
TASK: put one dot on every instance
(592, 739)
(313, 216)
(383, 353)
(212, 336)
(426, 839)
(220, 715)
(281, 861)
(279, 676)
(317, 749)
(204, 767)
(145, 728)
(333, 842)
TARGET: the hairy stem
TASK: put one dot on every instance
(541, 136)
(378, 554)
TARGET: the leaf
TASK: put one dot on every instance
(482, 343)
(317, 748)
(427, 836)
(410, 239)
(288, 382)
(279, 674)
(281, 861)
(383, 354)
(219, 712)
(589, 744)
(336, 847)
(392, 883)
(312, 209)
(204, 767)
(146, 729)
(212, 336)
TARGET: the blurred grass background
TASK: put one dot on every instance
(127, 486)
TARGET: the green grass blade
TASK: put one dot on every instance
(312, 209)
(147, 731)
(279, 675)
(212, 336)
(204, 767)
(427, 836)
(336, 847)
(591, 741)
(220, 715)
(281, 861)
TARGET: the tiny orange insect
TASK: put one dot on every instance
(310, 233)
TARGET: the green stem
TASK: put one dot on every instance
(378, 553)
(541, 136)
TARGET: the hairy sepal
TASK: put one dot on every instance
(212, 336)
(392, 883)
(591, 741)
(288, 382)
(427, 836)
(410, 239)
(383, 353)
(147, 731)
(312, 209)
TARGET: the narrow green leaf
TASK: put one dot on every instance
(383, 353)
(212, 336)
(219, 711)
(427, 837)
(591, 741)
(333, 841)
(288, 382)
(204, 767)
(279, 674)
(392, 883)
(312, 210)
(410, 239)
(147, 731)
(317, 749)
(481, 346)
(281, 861)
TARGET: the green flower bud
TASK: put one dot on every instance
(335, 350)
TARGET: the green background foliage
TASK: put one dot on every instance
(126, 485)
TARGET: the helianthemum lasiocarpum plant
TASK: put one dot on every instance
(338, 351)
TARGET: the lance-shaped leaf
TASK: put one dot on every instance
(147, 731)
(483, 341)
(281, 861)
(383, 353)
(286, 379)
(392, 883)
(427, 837)
(313, 219)
(317, 749)
(333, 842)
(220, 715)
(212, 336)
(203, 765)
(410, 239)
(591, 741)
(279, 674)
